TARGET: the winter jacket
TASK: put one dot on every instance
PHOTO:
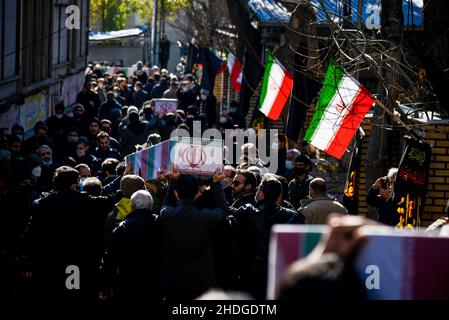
(188, 265)
(132, 260)
(298, 190)
(133, 134)
(65, 230)
(254, 229)
(317, 209)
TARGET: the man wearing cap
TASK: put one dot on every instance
(101, 90)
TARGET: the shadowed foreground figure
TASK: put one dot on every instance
(327, 273)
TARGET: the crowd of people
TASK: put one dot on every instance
(69, 199)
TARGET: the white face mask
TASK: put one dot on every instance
(80, 153)
(222, 120)
(289, 165)
(203, 97)
(59, 115)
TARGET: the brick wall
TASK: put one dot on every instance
(436, 134)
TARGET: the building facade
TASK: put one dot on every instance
(42, 61)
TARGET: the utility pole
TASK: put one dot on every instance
(154, 34)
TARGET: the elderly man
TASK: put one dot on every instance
(132, 260)
(319, 206)
(45, 154)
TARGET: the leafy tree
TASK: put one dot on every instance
(109, 15)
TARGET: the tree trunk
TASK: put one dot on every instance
(392, 29)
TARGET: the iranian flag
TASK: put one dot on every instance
(235, 70)
(276, 88)
(147, 162)
(342, 105)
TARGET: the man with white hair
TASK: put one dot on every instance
(131, 262)
(45, 154)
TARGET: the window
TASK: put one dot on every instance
(84, 32)
(36, 41)
(61, 41)
(8, 38)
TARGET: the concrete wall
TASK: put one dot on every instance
(129, 54)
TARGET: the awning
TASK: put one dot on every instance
(272, 11)
(98, 36)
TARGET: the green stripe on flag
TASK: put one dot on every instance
(266, 78)
(333, 77)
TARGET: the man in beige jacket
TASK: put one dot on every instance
(319, 206)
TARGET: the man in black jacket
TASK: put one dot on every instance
(132, 260)
(188, 265)
(380, 195)
(62, 240)
(243, 188)
(254, 227)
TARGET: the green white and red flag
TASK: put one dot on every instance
(276, 89)
(235, 68)
(341, 107)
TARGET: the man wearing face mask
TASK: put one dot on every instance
(107, 108)
(45, 181)
(83, 155)
(134, 133)
(298, 188)
(186, 95)
(207, 107)
(290, 163)
(253, 225)
(59, 120)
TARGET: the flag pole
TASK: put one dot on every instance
(398, 120)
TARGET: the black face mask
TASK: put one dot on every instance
(300, 171)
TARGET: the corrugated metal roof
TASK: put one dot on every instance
(273, 11)
(269, 11)
(412, 10)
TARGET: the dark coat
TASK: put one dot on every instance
(298, 190)
(132, 260)
(244, 198)
(188, 265)
(110, 153)
(133, 134)
(386, 207)
(253, 238)
(66, 229)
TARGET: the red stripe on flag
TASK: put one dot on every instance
(236, 70)
(284, 94)
(144, 164)
(165, 156)
(351, 122)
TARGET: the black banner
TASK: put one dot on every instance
(410, 187)
(351, 192)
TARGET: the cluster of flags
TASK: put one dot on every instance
(341, 107)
